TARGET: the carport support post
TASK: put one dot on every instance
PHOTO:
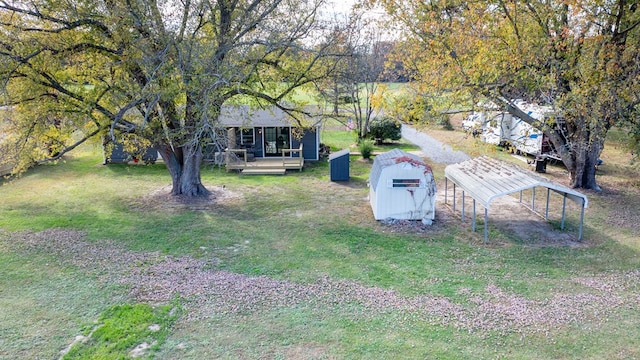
(446, 189)
(546, 212)
(454, 197)
(486, 225)
(462, 205)
(533, 199)
(473, 226)
(564, 206)
(581, 221)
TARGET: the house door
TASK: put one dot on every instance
(276, 139)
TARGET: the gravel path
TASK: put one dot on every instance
(432, 148)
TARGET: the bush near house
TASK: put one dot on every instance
(385, 128)
(366, 149)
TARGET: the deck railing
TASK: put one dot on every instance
(235, 162)
(290, 161)
(236, 159)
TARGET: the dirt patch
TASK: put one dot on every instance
(162, 200)
(532, 229)
(156, 278)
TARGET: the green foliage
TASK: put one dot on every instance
(123, 327)
(580, 62)
(409, 108)
(443, 121)
(385, 128)
(366, 148)
(84, 71)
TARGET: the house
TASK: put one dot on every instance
(266, 132)
(262, 133)
(401, 186)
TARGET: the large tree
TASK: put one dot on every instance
(579, 56)
(157, 71)
(363, 71)
(360, 62)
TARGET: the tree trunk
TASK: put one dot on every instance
(184, 166)
(583, 171)
(580, 152)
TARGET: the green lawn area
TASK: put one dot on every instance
(295, 267)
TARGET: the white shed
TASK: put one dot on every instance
(401, 186)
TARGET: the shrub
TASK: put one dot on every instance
(444, 121)
(366, 149)
(385, 128)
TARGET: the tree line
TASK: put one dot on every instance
(160, 71)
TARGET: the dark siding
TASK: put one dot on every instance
(339, 165)
(310, 145)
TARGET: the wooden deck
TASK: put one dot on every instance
(279, 165)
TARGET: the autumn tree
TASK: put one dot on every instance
(360, 63)
(579, 56)
(158, 71)
(365, 67)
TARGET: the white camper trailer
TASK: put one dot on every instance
(525, 138)
(493, 127)
(401, 186)
(501, 128)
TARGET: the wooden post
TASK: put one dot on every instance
(231, 144)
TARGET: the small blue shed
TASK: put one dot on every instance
(339, 165)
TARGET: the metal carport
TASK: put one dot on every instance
(485, 179)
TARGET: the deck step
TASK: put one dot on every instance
(264, 171)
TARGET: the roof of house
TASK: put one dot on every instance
(391, 158)
(247, 116)
(485, 179)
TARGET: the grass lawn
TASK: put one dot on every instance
(295, 267)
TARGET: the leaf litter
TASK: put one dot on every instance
(156, 278)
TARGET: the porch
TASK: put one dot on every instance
(290, 159)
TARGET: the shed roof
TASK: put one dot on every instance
(390, 158)
(341, 153)
(485, 179)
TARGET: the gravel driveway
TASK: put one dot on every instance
(432, 148)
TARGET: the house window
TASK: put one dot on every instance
(247, 137)
(405, 183)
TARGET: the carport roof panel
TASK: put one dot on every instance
(485, 179)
